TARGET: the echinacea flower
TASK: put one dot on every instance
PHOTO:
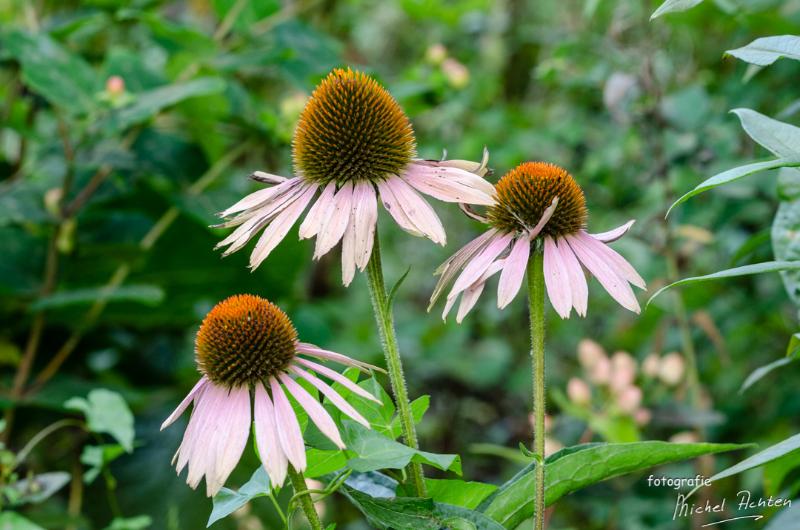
(538, 205)
(247, 345)
(353, 145)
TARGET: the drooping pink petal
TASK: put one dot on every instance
(316, 351)
(546, 215)
(577, 279)
(613, 235)
(337, 377)
(366, 214)
(195, 449)
(316, 215)
(349, 251)
(449, 184)
(450, 268)
(230, 438)
(513, 272)
(615, 285)
(556, 279)
(481, 262)
(335, 222)
(331, 394)
(269, 447)
(261, 197)
(193, 395)
(470, 295)
(613, 259)
(289, 434)
(392, 205)
(316, 412)
(279, 227)
(418, 212)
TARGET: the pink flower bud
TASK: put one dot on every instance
(589, 352)
(684, 437)
(578, 391)
(629, 399)
(671, 368)
(651, 365)
(456, 73)
(551, 445)
(642, 416)
(623, 370)
(115, 85)
(436, 53)
(600, 371)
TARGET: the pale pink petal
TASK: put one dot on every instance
(469, 297)
(332, 395)
(546, 215)
(267, 178)
(289, 434)
(337, 377)
(577, 279)
(450, 268)
(316, 351)
(316, 412)
(278, 228)
(449, 184)
(349, 251)
(230, 438)
(269, 448)
(613, 259)
(366, 214)
(481, 262)
(392, 205)
(615, 285)
(260, 197)
(195, 450)
(613, 235)
(416, 209)
(193, 394)
(556, 279)
(316, 215)
(336, 219)
(513, 272)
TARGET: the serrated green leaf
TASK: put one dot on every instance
(106, 412)
(735, 174)
(767, 50)
(228, 501)
(674, 6)
(149, 295)
(408, 513)
(781, 139)
(512, 503)
(744, 270)
(458, 492)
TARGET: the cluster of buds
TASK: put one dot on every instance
(455, 72)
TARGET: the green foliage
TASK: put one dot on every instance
(228, 501)
(767, 50)
(106, 412)
(674, 6)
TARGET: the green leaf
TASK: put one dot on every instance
(130, 523)
(38, 488)
(106, 412)
(61, 77)
(395, 287)
(757, 374)
(321, 462)
(376, 451)
(785, 235)
(407, 513)
(228, 501)
(737, 173)
(744, 270)
(459, 492)
(148, 104)
(767, 50)
(14, 521)
(759, 459)
(786, 519)
(97, 457)
(793, 349)
(781, 139)
(149, 295)
(674, 6)
(418, 409)
(373, 484)
(512, 503)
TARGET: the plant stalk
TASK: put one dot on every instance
(535, 275)
(304, 497)
(383, 315)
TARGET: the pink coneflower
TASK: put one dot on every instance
(538, 204)
(248, 353)
(353, 145)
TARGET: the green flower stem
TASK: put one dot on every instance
(383, 314)
(304, 498)
(535, 276)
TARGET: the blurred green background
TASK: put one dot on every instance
(637, 111)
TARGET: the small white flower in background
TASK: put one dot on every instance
(651, 365)
(578, 391)
(671, 368)
(623, 370)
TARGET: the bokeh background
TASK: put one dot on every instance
(637, 111)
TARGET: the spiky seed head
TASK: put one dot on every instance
(525, 192)
(244, 339)
(351, 129)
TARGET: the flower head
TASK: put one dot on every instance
(538, 207)
(353, 145)
(246, 343)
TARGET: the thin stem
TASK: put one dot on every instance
(277, 507)
(383, 315)
(304, 497)
(536, 301)
(41, 435)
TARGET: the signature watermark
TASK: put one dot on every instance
(738, 508)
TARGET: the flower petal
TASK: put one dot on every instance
(335, 221)
(556, 279)
(316, 215)
(315, 411)
(289, 434)
(230, 438)
(449, 184)
(366, 214)
(613, 259)
(481, 262)
(332, 395)
(513, 272)
(349, 251)
(262, 197)
(316, 351)
(577, 279)
(613, 235)
(415, 209)
(546, 215)
(450, 268)
(278, 228)
(339, 378)
(269, 447)
(194, 394)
